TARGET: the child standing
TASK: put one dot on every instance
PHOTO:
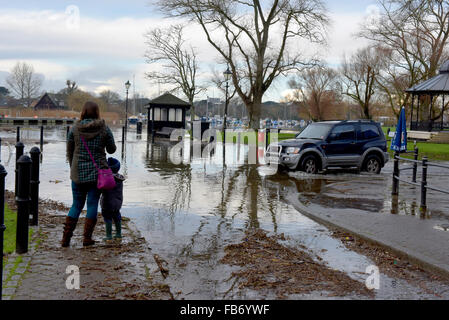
(111, 202)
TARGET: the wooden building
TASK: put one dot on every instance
(166, 111)
(49, 101)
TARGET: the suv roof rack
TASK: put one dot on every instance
(343, 121)
(359, 120)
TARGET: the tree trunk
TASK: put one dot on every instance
(254, 110)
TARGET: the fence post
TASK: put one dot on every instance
(34, 185)
(239, 143)
(3, 174)
(395, 186)
(423, 205)
(415, 165)
(23, 204)
(42, 138)
(139, 127)
(18, 134)
(267, 138)
(123, 140)
(19, 153)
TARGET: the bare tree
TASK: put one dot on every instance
(109, 96)
(319, 87)
(417, 34)
(24, 82)
(254, 38)
(359, 77)
(4, 91)
(71, 86)
(180, 66)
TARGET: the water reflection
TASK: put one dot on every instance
(231, 191)
(189, 212)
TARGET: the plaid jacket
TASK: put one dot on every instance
(98, 137)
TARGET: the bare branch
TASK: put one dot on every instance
(245, 34)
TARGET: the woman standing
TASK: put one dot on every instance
(91, 132)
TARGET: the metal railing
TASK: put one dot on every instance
(423, 184)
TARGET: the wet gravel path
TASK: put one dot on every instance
(114, 270)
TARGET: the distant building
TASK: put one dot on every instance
(49, 101)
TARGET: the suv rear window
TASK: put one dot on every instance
(369, 131)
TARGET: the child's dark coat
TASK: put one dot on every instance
(112, 200)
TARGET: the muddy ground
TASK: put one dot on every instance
(114, 270)
(130, 270)
(268, 265)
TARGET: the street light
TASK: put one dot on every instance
(227, 75)
(127, 86)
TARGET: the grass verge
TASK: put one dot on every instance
(10, 232)
(9, 244)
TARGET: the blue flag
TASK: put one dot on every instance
(399, 142)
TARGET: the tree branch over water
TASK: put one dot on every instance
(255, 38)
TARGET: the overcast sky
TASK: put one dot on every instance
(106, 47)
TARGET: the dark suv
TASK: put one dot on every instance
(334, 144)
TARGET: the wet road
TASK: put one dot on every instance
(190, 212)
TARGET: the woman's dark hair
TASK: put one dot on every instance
(90, 111)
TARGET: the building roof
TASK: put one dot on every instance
(167, 99)
(436, 85)
(55, 98)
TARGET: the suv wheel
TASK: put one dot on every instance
(372, 164)
(310, 165)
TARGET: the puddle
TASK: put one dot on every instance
(189, 212)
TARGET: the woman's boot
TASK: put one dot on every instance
(108, 226)
(69, 226)
(118, 230)
(89, 227)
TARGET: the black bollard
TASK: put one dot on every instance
(19, 153)
(139, 127)
(42, 138)
(0, 149)
(267, 138)
(34, 185)
(67, 133)
(18, 134)
(3, 174)
(23, 204)
(123, 139)
(415, 165)
(395, 185)
(423, 205)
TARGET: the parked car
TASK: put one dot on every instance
(334, 144)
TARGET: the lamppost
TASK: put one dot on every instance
(127, 86)
(227, 75)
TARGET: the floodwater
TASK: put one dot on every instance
(189, 212)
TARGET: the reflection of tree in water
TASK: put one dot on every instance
(246, 184)
(157, 160)
(242, 193)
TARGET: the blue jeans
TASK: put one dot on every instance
(80, 192)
